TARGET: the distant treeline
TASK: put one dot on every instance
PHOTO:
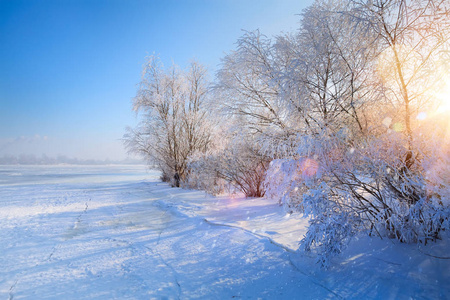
(31, 159)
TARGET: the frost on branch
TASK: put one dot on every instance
(286, 181)
(331, 226)
(238, 166)
(368, 190)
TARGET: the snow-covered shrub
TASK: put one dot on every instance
(237, 166)
(285, 180)
(331, 225)
(204, 174)
(242, 165)
(405, 202)
(366, 188)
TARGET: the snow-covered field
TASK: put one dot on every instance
(116, 232)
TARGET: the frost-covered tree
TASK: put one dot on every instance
(413, 36)
(174, 121)
(249, 88)
(234, 163)
(336, 53)
(391, 178)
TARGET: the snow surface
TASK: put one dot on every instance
(105, 232)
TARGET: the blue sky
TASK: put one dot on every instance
(69, 69)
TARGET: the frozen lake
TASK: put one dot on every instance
(77, 232)
(116, 232)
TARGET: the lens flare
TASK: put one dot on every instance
(398, 127)
(421, 116)
(309, 167)
(387, 122)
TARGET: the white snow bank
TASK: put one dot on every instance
(260, 216)
(371, 268)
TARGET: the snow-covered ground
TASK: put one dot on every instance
(105, 232)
